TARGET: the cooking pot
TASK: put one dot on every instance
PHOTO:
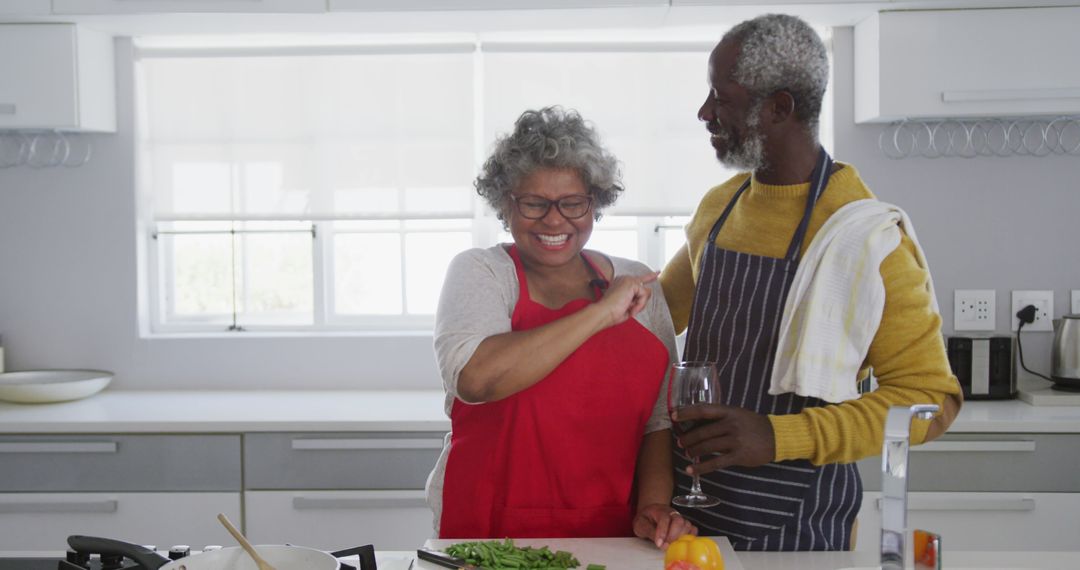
(282, 557)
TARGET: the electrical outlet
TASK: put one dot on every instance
(1044, 309)
(1075, 306)
(974, 309)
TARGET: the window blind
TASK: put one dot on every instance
(641, 97)
(293, 135)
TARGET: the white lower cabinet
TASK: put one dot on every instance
(43, 521)
(982, 521)
(331, 520)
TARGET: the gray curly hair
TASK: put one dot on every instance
(779, 52)
(550, 137)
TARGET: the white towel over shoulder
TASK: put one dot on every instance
(835, 303)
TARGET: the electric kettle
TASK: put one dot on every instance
(1066, 352)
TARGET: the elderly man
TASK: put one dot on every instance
(780, 456)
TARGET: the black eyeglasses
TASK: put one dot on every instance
(534, 207)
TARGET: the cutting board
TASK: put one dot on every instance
(615, 553)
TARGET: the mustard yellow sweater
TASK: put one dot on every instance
(907, 353)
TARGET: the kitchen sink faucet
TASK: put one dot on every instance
(894, 467)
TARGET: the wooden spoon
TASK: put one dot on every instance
(259, 561)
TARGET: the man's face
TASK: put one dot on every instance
(731, 114)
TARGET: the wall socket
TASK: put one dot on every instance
(1044, 309)
(974, 309)
(1075, 305)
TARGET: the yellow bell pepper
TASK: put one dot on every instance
(701, 553)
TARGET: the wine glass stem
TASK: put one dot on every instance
(695, 487)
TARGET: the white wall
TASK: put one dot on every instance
(68, 275)
(999, 223)
(68, 282)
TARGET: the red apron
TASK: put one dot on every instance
(556, 459)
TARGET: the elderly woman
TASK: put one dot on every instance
(553, 358)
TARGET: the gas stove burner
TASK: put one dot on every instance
(82, 560)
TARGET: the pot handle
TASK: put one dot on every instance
(144, 556)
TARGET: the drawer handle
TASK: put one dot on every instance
(349, 444)
(59, 447)
(7, 108)
(978, 446)
(391, 500)
(60, 507)
(1008, 95)
(967, 504)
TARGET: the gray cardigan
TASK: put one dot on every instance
(477, 301)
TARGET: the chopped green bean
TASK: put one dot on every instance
(504, 555)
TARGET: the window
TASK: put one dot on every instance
(307, 188)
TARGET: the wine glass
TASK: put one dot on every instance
(692, 383)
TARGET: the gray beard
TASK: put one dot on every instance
(749, 155)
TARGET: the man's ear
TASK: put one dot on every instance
(781, 106)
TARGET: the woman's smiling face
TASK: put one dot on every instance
(552, 240)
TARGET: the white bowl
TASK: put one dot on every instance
(43, 386)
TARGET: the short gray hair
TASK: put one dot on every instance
(778, 52)
(550, 137)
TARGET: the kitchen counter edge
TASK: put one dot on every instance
(237, 411)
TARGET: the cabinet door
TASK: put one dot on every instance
(26, 7)
(166, 6)
(360, 461)
(56, 76)
(967, 63)
(43, 521)
(37, 62)
(982, 521)
(330, 520)
(120, 463)
(992, 462)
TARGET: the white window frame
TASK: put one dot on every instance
(483, 225)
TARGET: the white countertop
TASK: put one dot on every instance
(120, 411)
(635, 554)
(642, 556)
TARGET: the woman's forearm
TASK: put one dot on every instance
(654, 471)
(508, 363)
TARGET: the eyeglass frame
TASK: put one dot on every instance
(588, 198)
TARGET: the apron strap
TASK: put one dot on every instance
(819, 178)
(598, 284)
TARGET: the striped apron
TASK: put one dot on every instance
(734, 322)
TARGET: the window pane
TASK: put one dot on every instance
(620, 243)
(673, 237)
(427, 256)
(200, 286)
(367, 274)
(275, 281)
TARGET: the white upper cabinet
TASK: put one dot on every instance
(56, 76)
(440, 5)
(197, 6)
(967, 63)
(25, 7)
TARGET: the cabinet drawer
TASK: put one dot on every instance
(340, 461)
(988, 462)
(391, 520)
(43, 521)
(120, 463)
(982, 521)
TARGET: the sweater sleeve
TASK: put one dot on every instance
(677, 280)
(909, 360)
(659, 322)
(477, 301)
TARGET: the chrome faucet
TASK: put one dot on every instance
(894, 467)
